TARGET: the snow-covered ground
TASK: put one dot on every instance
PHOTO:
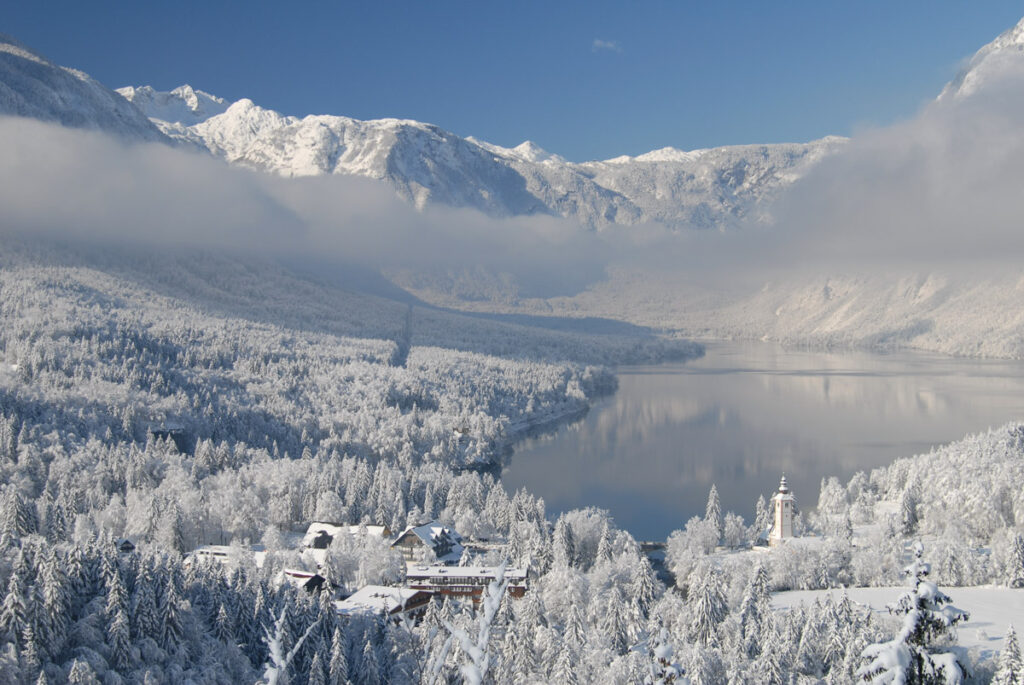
(992, 609)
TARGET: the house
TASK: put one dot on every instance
(224, 554)
(124, 546)
(429, 542)
(783, 509)
(463, 581)
(311, 582)
(175, 432)
(321, 534)
(383, 600)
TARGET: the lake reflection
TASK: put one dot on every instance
(745, 413)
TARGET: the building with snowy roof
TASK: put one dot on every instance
(428, 543)
(321, 534)
(383, 600)
(783, 509)
(463, 581)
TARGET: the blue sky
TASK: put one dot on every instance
(588, 80)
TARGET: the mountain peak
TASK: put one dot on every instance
(532, 152)
(184, 105)
(991, 61)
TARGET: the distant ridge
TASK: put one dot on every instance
(33, 86)
(425, 164)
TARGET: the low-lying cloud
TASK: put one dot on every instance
(85, 185)
(941, 190)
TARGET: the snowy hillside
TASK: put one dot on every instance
(32, 86)
(957, 314)
(702, 188)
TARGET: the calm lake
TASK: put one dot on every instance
(746, 413)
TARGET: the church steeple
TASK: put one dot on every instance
(784, 506)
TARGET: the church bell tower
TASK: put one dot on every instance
(783, 504)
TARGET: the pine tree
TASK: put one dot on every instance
(564, 671)
(222, 627)
(338, 668)
(762, 518)
(604, 545)
(520, 657)
(145, 618)
(1010, 670)
(643, 584)
(31, 660)
(564, 544)
(119, 638)
(713, 512)
(575, 631)
(369, 672)
(910, 656)
(171, 633)
(908, 510)
(56, 603)
(614, 623)
(1015, 562)
(753, 608)
(13, 614)
(708, 606)
(82, 674)
(317, 676)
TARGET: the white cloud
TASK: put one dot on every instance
(87, 186)
(611, 45)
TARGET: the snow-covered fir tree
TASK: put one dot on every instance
(912, 656)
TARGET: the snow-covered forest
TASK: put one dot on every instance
(297, 401)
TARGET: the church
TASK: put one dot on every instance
(783, 509)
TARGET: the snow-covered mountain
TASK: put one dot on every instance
(32, 86)
(701, 188)
(1004, 53)
(183, 105)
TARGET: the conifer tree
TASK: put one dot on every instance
(604, 545)
(82, 674)
(171, 633)
(369, 671)
(713, 512)
(614, 623)
(519, 655)
(575, 631)
(56, 604)
(762, 518)
(642, 584)
(707, 605)
(564, 543)
(910, 657)
(222, 627)
(317, 675)
(1015, 562)
(13, 613)
(753, 608)
(119, 638)
(31, 657)
(1010, 670)
(564, 671)
(338, 667)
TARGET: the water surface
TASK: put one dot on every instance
(746, 413)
